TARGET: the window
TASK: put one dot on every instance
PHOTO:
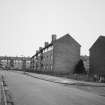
(51, 57)
(51, 67)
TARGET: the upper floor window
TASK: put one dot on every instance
(51, 57)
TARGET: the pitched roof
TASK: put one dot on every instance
(70, 37)
(50, 44)
(100, 38)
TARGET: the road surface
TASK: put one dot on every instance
(27, 90)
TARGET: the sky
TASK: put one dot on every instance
(26, 24)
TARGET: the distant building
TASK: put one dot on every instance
(18, 63)
(97, 58)
(59, 57)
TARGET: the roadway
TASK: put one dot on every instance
(27, 90)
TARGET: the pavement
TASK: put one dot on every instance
(27, 90)
(93, 87)
(0, 91)
(63, 80)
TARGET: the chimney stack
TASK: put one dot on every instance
(37, 51)
(40, 48)
(46, 44)
(53, 37)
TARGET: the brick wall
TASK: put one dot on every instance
(66, 55)
(97, 58)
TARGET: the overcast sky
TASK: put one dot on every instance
(27, 24)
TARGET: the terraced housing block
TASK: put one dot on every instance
(59, 57)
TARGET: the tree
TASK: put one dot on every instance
(79, 68)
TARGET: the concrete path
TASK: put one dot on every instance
(63, 80)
